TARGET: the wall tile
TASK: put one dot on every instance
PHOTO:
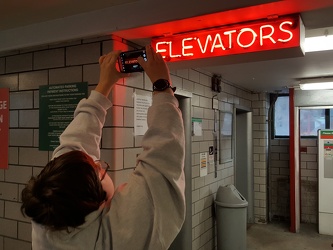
(118, 138)
(199, 89)
(32, 80)
(9, 81)
(129, 117)
(194, 75)
(135, 80)
(2, 209)
(115, 157)
(130, 157)
(115, 116)
(111, 45)
(122, 96)
(138, 140)
(198, 112)
(183, 73)
(21, 137)
(8, 228)
(19, 63)
(21, 100)
(46, 59)
(32, 157)
(13, 155)
(10, 243)
(8, 191)
(205, 80)
(91, 73)
(65, 75)
(24, 231)
(36, 99)
(13, 118)
(36, 138)
(188, 85)
(13, 211)
(29, 118)
(18, 174)
(83, 54)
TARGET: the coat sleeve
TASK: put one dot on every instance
(154, 198)
(85, 131)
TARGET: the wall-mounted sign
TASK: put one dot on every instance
(141, 106)
(196, 126)
(203, 164)
(4, 127)
(270, 34)
(57, 104)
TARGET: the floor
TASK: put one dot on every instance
(277, 236)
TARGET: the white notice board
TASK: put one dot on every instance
(141, 105)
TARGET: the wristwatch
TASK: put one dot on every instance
(162, 84)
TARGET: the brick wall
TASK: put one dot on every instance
(309, 180)
(260, 107)
(279, 180)
(23, 71)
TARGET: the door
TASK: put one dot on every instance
(243, 157)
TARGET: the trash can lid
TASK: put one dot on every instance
(229, 196)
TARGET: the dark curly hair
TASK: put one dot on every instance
(66, 190)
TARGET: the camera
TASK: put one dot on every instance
(128, 61)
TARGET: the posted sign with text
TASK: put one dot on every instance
(4, 127)
(56, 110)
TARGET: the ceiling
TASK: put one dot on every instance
(36, 22)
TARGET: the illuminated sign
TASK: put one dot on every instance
(230, 40)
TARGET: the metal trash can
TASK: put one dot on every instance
(231, 218)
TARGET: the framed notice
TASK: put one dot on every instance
(4, 127)
(57, 104)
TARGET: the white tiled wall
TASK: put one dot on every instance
(24, 71)
(260, 106)
(279, 175)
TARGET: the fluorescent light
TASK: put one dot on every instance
(318, 43)
(320, 83)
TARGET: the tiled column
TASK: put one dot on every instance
(260, 104)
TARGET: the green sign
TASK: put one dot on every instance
(327, 132)
(57, 104)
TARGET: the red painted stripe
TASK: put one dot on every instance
(292, 161)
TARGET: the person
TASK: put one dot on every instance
(73, 203)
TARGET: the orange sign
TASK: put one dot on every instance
(4, 127)
(264, 35)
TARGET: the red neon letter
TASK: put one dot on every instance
(246, 30)
(229, 33)
(220, 45)
(286, 31)
(184, 47)
(158, 50)
(203, 51)
(269, 36)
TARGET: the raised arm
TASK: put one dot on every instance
(85, 131)
(149, 211)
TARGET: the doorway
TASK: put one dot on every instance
(243, 157)
(183, 240)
